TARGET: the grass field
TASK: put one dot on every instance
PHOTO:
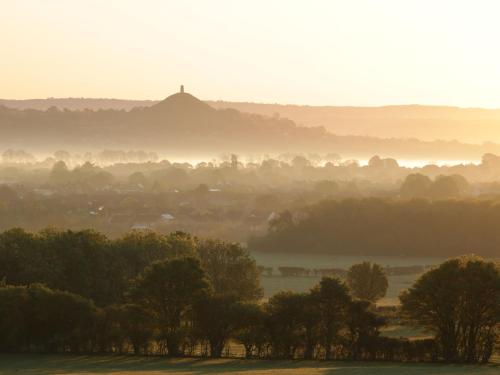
(121, 365)
(276, 283)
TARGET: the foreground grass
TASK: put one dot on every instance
(121, 365)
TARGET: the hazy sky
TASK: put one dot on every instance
(306, 52)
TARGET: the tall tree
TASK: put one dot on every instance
(333, 299)
(169, 290)
(362, 325)
(230, 269)
(216, 319)
(79, 261)
(460, 303)
(310, 317)
(37, 318)
(415, 185)
(367, 281)
(284, 323)
(135, 321)
(251, 330)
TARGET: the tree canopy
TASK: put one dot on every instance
(367, 281)
(376, 226)
(459, 302)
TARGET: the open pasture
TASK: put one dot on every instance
(276, 282)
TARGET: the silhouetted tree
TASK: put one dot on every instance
(459, 302)
(230, 269)
(362, 327)
(138, 327)
(444, 187)
(60, 174)
(216, 319)
(169, 290)
(415, 185)
(251, 330)
(283, 323)
(333, 298)
(36, 318)
(367, 281)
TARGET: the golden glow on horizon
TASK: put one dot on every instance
(306, 52)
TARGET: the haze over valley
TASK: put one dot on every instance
(416, 134)
(263, 187)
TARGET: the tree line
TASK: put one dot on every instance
(91, 265)
(415, 227)
(295, 271)
(326, 173)
(177, 295)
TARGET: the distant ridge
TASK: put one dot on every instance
(181, 123)
(424, 122)
(470, 125)
(184, 125)
(76, 103)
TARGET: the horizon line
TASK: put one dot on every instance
(262, 103)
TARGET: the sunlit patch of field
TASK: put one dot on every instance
(121, 365)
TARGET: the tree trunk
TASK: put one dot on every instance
(216, 349)
(248, 351)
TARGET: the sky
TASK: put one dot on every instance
(350, 52)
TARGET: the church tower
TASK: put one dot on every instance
(182, 89)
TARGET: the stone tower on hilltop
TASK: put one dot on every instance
(182, 89)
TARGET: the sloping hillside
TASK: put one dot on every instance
(428, 123)
(183, 125)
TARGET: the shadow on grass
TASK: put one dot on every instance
(70, 364)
